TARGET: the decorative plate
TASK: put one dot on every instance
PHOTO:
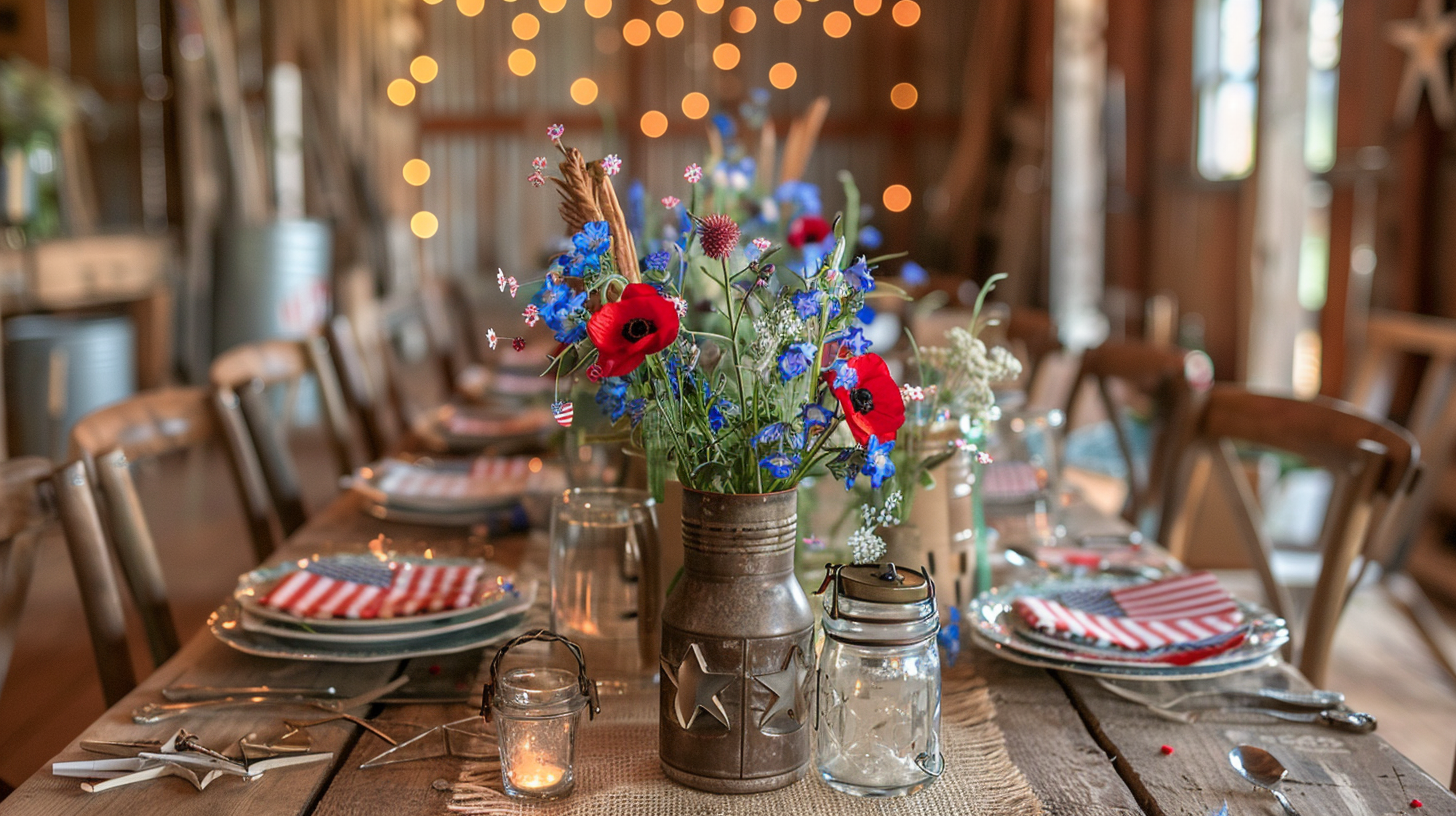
(306, 632)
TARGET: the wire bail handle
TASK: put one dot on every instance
(585, 684)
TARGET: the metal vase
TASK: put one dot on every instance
(737, 648)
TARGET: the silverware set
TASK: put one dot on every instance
(1318, 706)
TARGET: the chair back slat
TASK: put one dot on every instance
(364, 387)
(94, 567)
(137, 552)
(1373, 463)
(25, 511)
(1158, 373)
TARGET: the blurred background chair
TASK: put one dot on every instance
(1407, 371)
(259, 376)
(148, 426)
(1372, 463)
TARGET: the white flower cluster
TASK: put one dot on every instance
(865, 544)
(968, 369)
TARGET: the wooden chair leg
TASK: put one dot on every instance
(1408, 596)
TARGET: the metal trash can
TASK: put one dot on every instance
(60, 368)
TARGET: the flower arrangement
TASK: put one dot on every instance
(787, 387)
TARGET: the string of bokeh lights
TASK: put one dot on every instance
(637, 32)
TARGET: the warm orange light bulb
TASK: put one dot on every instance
(584, 91)
(787, 11)
(521, 62)
(726, 56)
(695, 105)
(782, 75)
(424, 69)
(836, 24)
(470, 8)
(654, 123)
(867, 7)
(598, 8)
(636, 32)
(669, 24)
(424, 224)
(526, 26)
(552, 6)
(742, 19)
(401, 92)
(897, 198)
(710, 6)
(904, 95)
(416, 172)
(906, 13)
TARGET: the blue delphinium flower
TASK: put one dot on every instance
(724, 123)
(858, 275)
(658, 261)
(866, 315)
(795, 360)
(844, 376)
(855, 341)
(806, 303)
(870, 238)
(636, 208)
(781, 465)
(799, 196)
(562, 310)
(949, 637)
(815, 255)
(593, 238)
(815, 415)
(636, 409)
(611, 397)
(715, 417)
(772, 432)
(877, 464)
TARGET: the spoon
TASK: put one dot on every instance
(1261, 768)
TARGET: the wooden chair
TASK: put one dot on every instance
(244, 375)
(1372, 462)
(1395, 343)
(1032, 334)
(1155, 374)
(147, 426)
(28, 499)
(364, 378)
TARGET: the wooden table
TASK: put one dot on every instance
(1084, 751)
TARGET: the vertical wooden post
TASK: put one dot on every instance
(1276, 317)
(1079, 180)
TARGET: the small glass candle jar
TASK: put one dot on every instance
(537, 712)
(878, 716)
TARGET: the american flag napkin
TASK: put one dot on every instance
(1182, 610)
(365, 587)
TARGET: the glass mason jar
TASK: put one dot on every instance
(878, 718)
(537, 712)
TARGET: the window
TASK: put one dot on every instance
(1225, 76)
(1325, 23)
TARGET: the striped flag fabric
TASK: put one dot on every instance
(488, 477)
(352, 587)
(1179, 611)
(563, 413)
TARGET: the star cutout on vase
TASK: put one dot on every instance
(787, 686)
(1426, 39)
(697, 688)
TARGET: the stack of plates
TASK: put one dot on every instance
(995, 626)
(471, 428)
(454, 492)
(492, 614)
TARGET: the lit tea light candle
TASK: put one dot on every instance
(531, 772)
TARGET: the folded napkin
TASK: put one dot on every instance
(1184, 610)
(365, 587)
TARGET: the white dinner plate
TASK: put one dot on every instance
(227, 627)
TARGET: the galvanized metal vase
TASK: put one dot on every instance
(737, 648)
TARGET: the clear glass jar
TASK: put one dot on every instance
(878, 713)
(537, 712)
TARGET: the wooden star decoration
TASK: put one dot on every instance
(1426, 39)
(788, 688)
(697, 688)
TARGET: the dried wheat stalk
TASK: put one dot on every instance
(624, 249)
(578, 196)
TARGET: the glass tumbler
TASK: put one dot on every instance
(1021, 487)
(605, 593)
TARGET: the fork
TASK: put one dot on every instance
(157, 712)
(1318, 699)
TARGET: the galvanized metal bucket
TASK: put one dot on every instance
(58, 369)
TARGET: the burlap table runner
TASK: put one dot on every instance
(618, 774)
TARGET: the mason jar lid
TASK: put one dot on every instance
(885, 583)
(538, 692)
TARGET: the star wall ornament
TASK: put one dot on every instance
(788, 689)
(1426, 39)
(697, 689)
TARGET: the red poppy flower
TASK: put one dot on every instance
(869, 396)
(807, 229)
(642, 322)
